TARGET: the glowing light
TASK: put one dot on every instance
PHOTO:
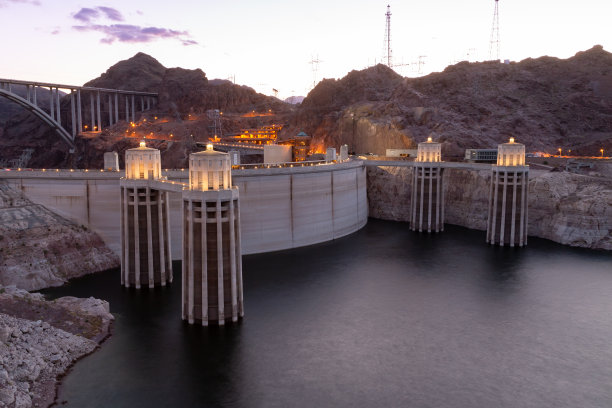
(429, 140)
(143, 144)
(511, 140)
(209, 147)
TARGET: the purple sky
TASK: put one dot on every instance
(268, 44)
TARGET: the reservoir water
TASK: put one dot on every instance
(382, 318)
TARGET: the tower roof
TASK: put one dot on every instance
(142, 148)
(511, 142)
(209, 152)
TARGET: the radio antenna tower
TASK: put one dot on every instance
(387, 50)
(494, 44)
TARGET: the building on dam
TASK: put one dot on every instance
(212, 260)
(427, 201)
(507, 218)
(145, 222)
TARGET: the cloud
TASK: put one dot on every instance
(127, 33)
(7, 2)
(87, 14)
(111, 13)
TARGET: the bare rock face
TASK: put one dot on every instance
(571, 209)
(139, 73)
(40, 340)
(185, 91)
(566, 208)
(466, 195)
(389, 192)
(39, 249)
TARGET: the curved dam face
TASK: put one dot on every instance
(280, 208)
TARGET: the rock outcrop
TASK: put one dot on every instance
(39, 249)
(547, 103)
(563, 207)
(40, 340)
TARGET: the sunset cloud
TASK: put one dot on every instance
(126, 33)
(87, 15)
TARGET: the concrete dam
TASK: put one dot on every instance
(281, 208)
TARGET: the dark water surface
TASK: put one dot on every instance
(382, 318)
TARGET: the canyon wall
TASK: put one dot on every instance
(566, 208)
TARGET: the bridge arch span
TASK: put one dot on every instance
(41, 114)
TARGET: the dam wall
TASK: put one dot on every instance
(281, 208)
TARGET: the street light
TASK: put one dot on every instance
(559, 152)
(601, 150)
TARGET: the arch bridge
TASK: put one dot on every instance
(26, 94)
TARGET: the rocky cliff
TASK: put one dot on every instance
(567, 208)
(39, 249)
(547, 103)
(40, 340)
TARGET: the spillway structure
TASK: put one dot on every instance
(507, 217)
(427, 200)
(145, 222)
(212, 260)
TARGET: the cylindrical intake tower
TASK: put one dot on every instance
(427, 202)
(212, 260)
(507, 222)
(145, 228)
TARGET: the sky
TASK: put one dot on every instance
(270, 44)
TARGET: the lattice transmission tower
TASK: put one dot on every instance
(494, 44)
(387, 46)
(315, 69)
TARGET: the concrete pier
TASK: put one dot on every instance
(427, 202)
(212, 260)
(145, 222)
(507, 218)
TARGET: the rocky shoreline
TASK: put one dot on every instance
(41, 339)
(41, 249)
(566, 208)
